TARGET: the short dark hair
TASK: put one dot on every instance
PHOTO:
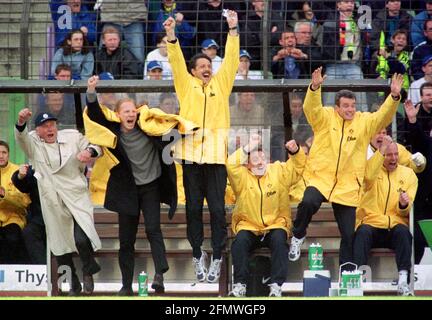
(344, 94)
(425, 85)
(4, 144)
(400, 31)
(63, 66)
(425, 24)
(194, 59)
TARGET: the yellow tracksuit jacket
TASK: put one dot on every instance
(263, 203)
(13, 205)
(205, 105)
(379, 206)
(337, 158)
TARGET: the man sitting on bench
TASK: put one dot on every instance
(262, 215)
(382, 218)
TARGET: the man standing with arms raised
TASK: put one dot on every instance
(338, 158)
(203, 99)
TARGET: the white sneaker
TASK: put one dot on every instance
(295, 248)
(275, 290)
(214, 270)
(239, 290)
(200, 266)
(404, 289)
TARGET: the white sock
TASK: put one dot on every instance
(403, 276)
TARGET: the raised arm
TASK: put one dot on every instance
(21, 132)
(313, 108)
(384, 116)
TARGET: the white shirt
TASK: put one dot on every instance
(252, 75)
(156, 56)
(216, 63)
(414, 90)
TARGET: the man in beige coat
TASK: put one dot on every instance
(59, 158)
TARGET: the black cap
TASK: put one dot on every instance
(43, 117)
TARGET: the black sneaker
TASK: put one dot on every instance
(125, 292)
(158, 284)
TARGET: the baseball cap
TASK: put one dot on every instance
(244, 53)
(207, 43)
(426, 60)
(43, 117)
(106, 76)
(154, 65)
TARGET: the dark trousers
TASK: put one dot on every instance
(35, 241)
(209, 181)
(422, 210)
(246, 241)
(85, 251)
(397, 238)
(344, 215)
(149, 198)
(10, 244)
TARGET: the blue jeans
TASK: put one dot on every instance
(345, 71)
(134, 35)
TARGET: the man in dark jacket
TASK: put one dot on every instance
(135, 185)
(116, 59)
(421, 142)
(34, 233)
(421, 51)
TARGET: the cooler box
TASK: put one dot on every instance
(316, 283)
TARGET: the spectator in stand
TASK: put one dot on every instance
(301, 130)
(393, 59)
(382, 223)
(68, 15)
(168, 103)
(160, 54)
(252, 31)
(337, 163)
(285, 60)
(211, 23)
(127, 16)
(55, 104)
(185, 32)
(154, 72)
(63, 71)
(424, 115)
(244, 72)
(418, 30)
(312, 58)
(12, 211)
(421, 51)
(59, 158)
(414, 90)
(303, 12)
(34, 233)
(209, 47)
(262, 215)
(75, 52)
(421, 142)
(387, 21)
(116, 59)
(342, 49)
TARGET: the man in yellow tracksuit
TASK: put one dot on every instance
(383, 215)
(262, 215)
(203, 99)
(337, 159)
(13, 205)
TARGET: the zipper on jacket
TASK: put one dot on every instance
(388, 196)
(203, 128)
(339, 155)
(261, 208)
